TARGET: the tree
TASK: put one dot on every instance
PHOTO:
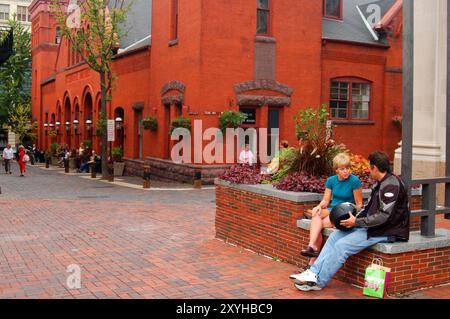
(21, 124)
(92, 31)
(15, 73)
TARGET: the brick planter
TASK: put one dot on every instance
(265, 221)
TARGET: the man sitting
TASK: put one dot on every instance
(94, 158)
(384, 219)
(246, 156)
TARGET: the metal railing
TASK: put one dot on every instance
(429, 207)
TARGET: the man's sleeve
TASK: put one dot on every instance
(388, 197)
(241, 160)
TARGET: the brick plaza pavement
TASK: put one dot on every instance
(131, 243)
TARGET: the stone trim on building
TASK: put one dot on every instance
(270, 85)
(260, 100)
(138, 106)
(173, 85)
(175, 99)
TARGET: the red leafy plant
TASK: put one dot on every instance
(302, 182)
(244, 174)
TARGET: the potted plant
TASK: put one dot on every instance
(54, 153)
(180, 122)
(397, 120)
(98, 131)
(119, 165)
(150, 123)
(231, 119)
(86, 146)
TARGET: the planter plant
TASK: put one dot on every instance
(150, 123)
(119, 165)
(117, 154)
(397, 120)
(231, 119)
(316, 148)
(180, 122)
(54, 148)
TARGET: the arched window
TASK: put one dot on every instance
(350, 99)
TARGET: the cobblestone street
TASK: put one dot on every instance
(130, 243)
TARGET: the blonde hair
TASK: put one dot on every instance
(341, 160)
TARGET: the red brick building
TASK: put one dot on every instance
(268, 58)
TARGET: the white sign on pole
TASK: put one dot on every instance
(111, 126)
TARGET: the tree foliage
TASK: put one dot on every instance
(21, 123)
(15, 74)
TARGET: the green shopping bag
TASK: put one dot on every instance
(376, 279)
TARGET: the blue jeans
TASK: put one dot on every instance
(339, 246)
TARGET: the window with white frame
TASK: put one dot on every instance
(4, 11)
(350, 99)
(22, 14)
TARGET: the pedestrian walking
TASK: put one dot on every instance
(21, 161)
(8, 156)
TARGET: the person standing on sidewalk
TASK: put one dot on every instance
(384, 219)
(21, 161)
(8, 156)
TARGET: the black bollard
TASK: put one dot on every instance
(92, 166)
(146, 176)
(66, 165)
(198, 179)
(111, 172)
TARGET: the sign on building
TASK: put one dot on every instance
(111, 130)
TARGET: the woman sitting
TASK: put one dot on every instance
(340, 188)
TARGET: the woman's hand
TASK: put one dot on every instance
(316, 211)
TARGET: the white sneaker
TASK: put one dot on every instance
(307, 286)
(306, 276)
(294, 276)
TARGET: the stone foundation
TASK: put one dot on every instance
(133, 167)
(167, 170)
(184, 172)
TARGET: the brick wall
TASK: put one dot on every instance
(409, 271)
(134, 167)
(268, 226)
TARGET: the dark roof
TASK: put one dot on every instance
(137, 25)
(352, 28)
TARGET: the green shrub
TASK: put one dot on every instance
(316, 148)
(150, 123)
(54, 148)
(231, 119)
(86, 145)
(117, 153)
(180, 122)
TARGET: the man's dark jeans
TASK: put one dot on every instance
(7, 165)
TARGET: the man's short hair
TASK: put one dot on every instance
(381, 161)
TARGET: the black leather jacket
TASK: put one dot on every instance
(387, 212)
